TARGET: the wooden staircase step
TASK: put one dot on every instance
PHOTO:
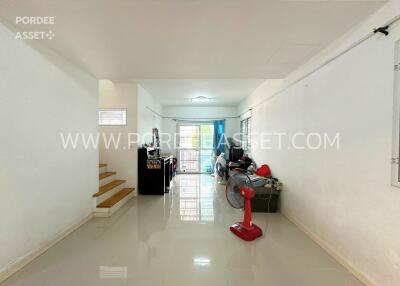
(102, 165)
(116, 198)
(105, 175)
(108, 187)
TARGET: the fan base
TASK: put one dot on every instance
(246, 234)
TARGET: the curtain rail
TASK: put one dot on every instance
(191, 118)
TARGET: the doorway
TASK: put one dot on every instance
(195, 147)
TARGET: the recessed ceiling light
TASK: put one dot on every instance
(200, 99)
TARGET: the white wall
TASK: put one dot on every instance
(140, 120)
(198, 112)
(344, 197)
(44, 189)
(123, 159)
(268, 87)
(147, 119)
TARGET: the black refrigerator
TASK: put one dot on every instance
(154, 173)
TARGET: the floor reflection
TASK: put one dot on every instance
(196, 198)
(182, 239)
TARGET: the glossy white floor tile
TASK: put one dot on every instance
(183, 238)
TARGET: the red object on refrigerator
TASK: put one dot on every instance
(264, 171)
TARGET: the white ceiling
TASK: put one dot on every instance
(222, 91)
(191, 39)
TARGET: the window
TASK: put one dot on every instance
(245, 130)
(396, 122)
(112, 116)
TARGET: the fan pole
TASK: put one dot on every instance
(247, 214)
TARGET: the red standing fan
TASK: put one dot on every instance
(239, 193)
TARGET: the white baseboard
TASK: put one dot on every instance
(16, 265)
(338, 257)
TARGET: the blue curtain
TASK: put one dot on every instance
(219, 136)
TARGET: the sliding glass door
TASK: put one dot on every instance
(206, 147)
(189, 148)
(195, 147)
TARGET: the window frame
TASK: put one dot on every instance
(395, 170)
(245, 131)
